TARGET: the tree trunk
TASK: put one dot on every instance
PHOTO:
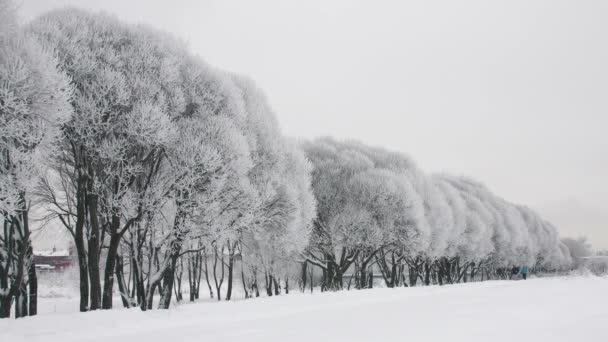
(5, 306)
(254, 284)
(191, 278)
(21, 302)
(255, 287)
(304, 275)
(83, 269)
(472, 271)
(138, 283)
(93, 251)
(168, 279)
(268, 281)
(277, 287)
(230, 270)
(361, 283)
(108, 279)
(311, 279)
(33, 289)
(120, 279)
(207, 278)
(427, 274)
(218, 284)
(244, 282)
(83, 273)
(199, 268)
(150, 299)
(178, 280)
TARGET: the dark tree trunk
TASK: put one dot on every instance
(365, 268)
(472, 271)
(334, 271)
(138, 284)
(361, 282)
(255, 288)
(83, 273)
(178, 280)
(218, 283)
(93, 251)
(311, 279)
(207, 278)
(16, 287)
(304, 275)
(108, 279)
(21, 302)
(120, 279)
(5, 307)
(244, 282)
(286, 285)
(33, 289)
(268, 281)
(390, 270)
(83, 269)
(150, 300)
(230, 270)
(191, 277)
(254, 283)
(199, 271)
(277, 287)
(439, 266)
(168, 279)
(427, 274)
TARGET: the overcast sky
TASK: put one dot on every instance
(512, 93)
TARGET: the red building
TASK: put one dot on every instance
(53, 260)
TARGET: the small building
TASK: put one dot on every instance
(54, 260)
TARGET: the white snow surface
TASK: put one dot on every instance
(543, 309)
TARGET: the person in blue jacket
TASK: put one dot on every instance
(524, 272)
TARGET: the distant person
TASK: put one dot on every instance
(514, 272)
(524, 272)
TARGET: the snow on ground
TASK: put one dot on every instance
(545, 309)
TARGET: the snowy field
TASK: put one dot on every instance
(547, 309)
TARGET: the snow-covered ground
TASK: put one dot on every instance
(546, 309)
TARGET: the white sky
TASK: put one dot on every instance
(513, 93)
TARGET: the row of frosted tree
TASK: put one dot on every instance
(169, 174)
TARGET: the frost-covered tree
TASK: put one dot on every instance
(499, 234)
(365, 202)
(459, 230)
(34, 96)
(208, 165)
(336, 233)
(124, 97)
(164, 156)
(393, 216)
(204, 174)
(280, 176)
(282, 228)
